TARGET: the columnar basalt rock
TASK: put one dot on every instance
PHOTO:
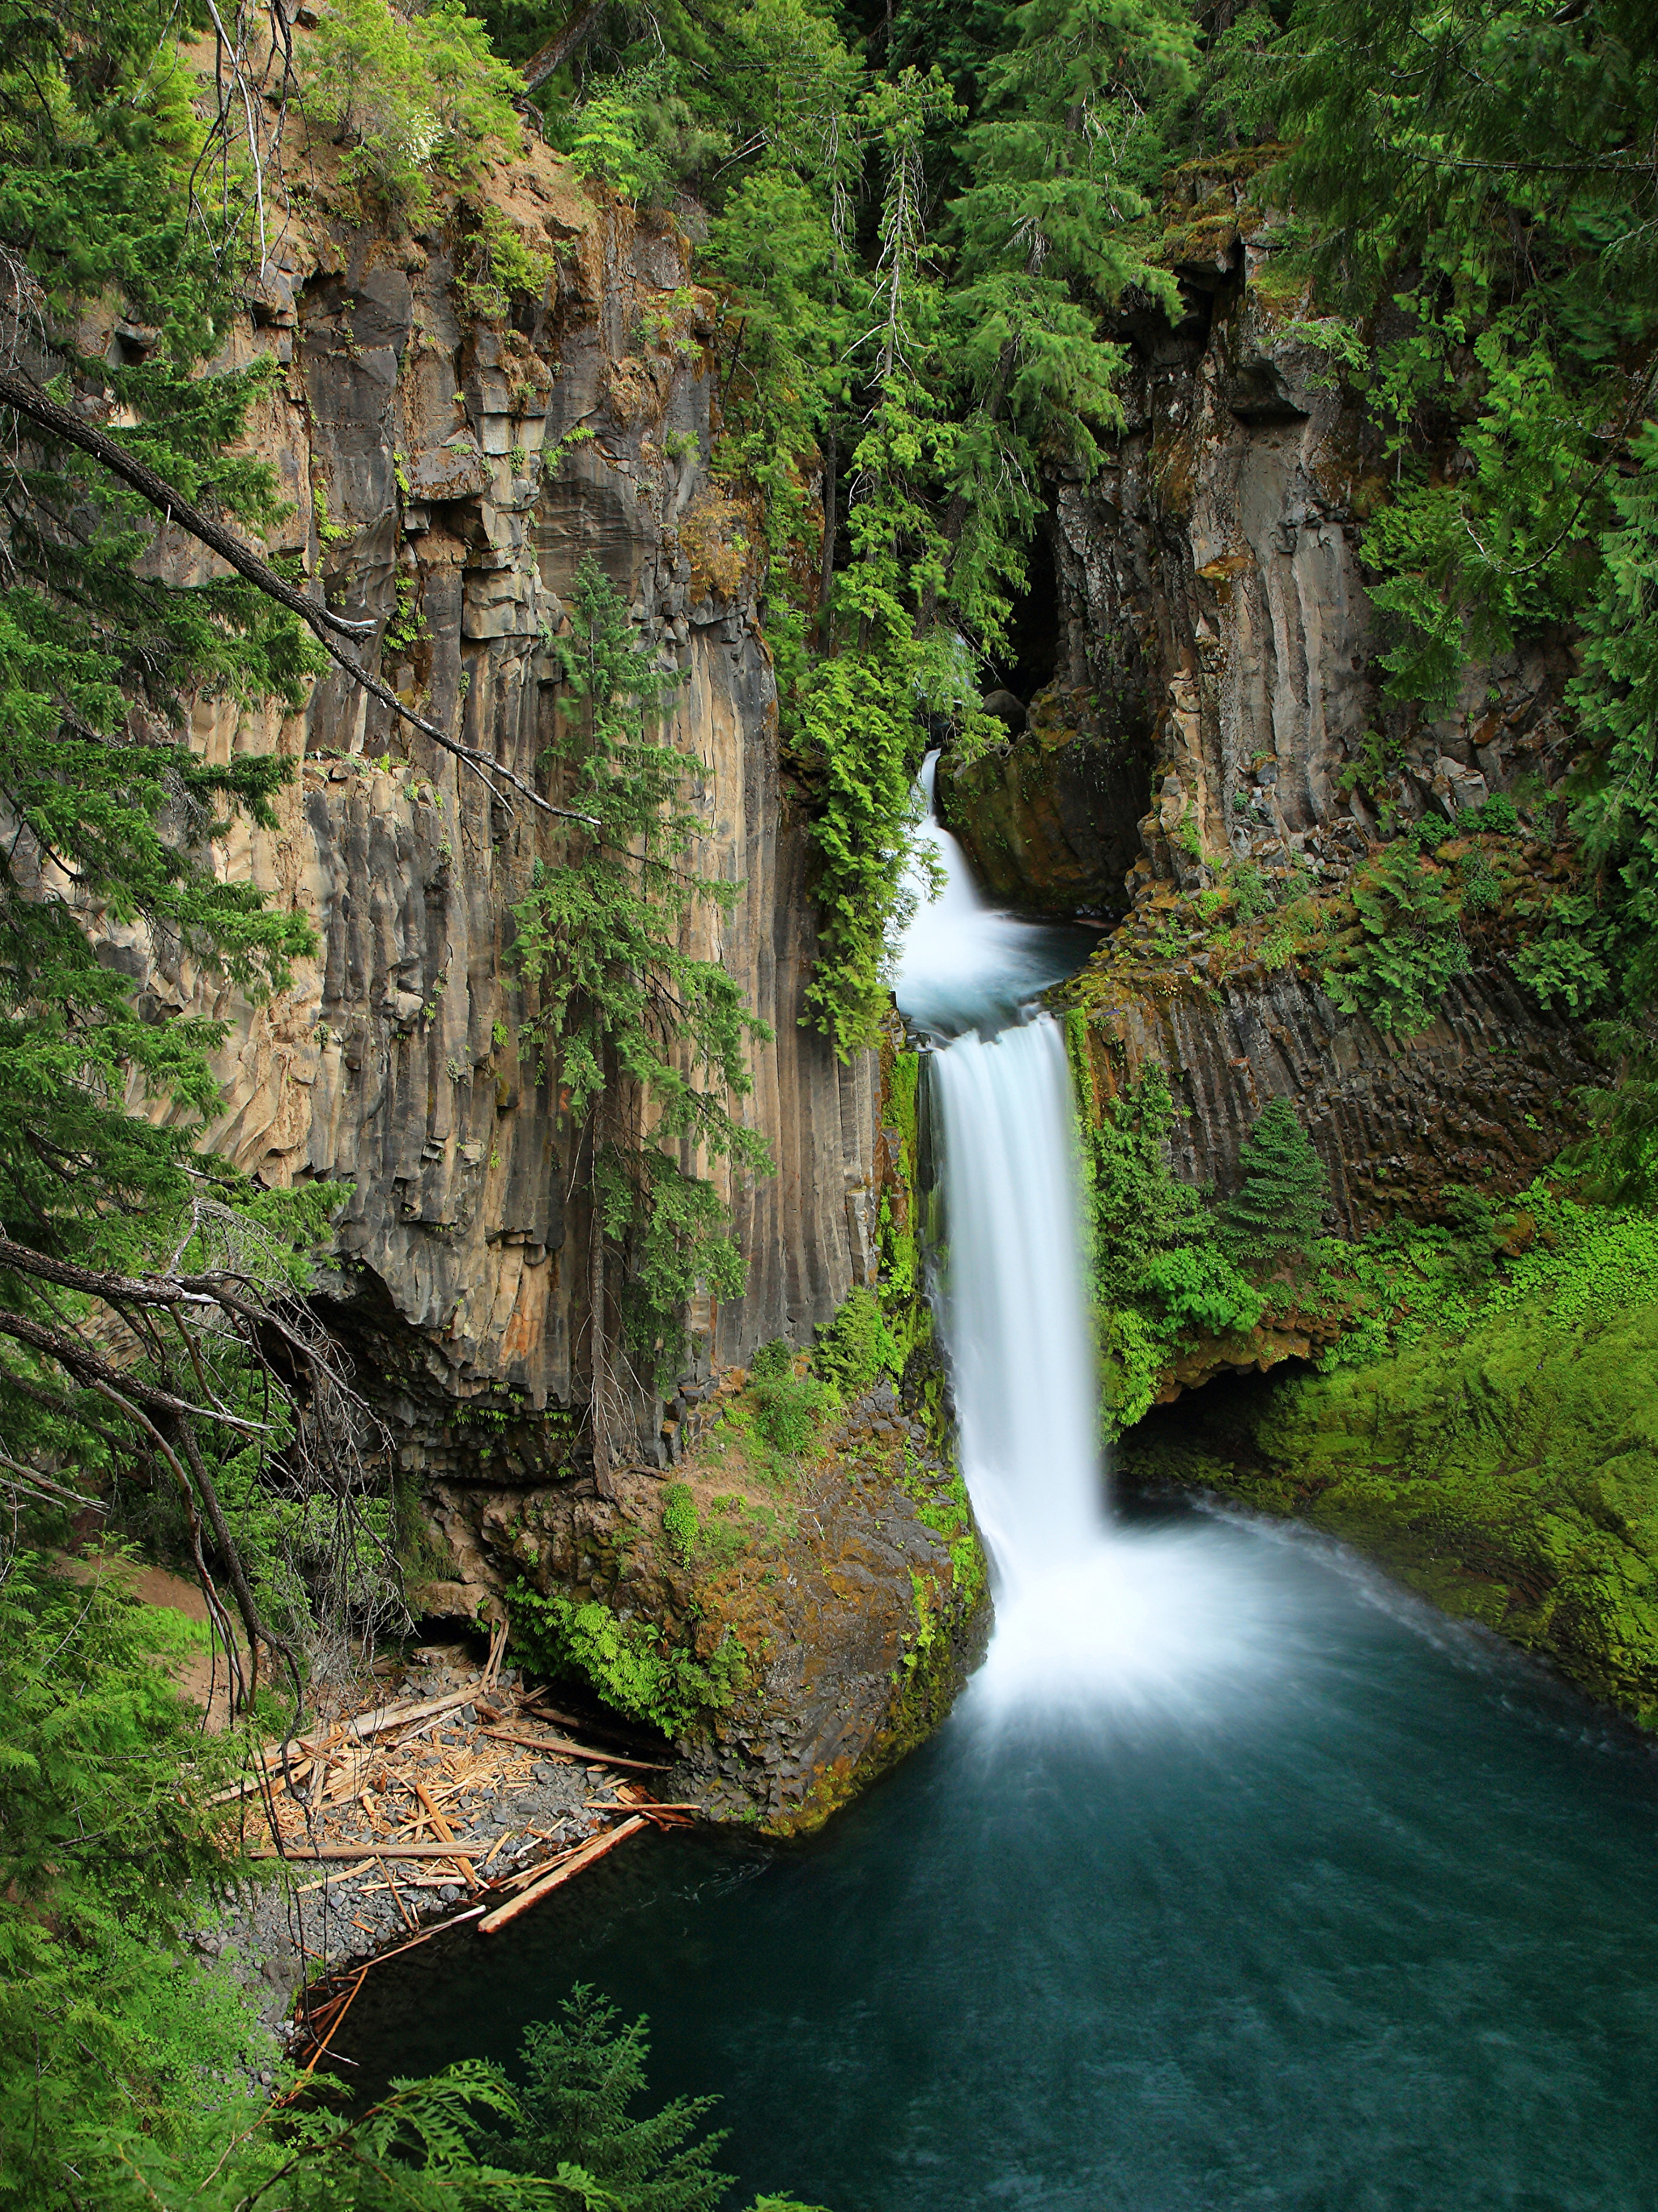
(446, 476)
(1216, 633)
(1482, 1099)
(1217, 645)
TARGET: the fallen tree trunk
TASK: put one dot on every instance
(563, 1750)
(498, 1919)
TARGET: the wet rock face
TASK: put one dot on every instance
(1050, 820)
(1218, 676)
(1212, 601)
(447, 477)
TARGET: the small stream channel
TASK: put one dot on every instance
(1237, 1879)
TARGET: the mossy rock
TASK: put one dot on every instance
(1512, 1477)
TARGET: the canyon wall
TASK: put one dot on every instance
(446, 474)
(446, 471)
(1216, 676)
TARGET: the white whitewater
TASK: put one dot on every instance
(1119, 1620)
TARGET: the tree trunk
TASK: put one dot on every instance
(557, 51)
(601, 1375)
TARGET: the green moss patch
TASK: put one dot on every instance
(1509, 1470)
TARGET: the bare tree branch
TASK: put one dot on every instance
(87, 1366)
(28, 400)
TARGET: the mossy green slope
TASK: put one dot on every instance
(1510, 1475)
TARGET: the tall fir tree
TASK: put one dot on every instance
(109, 638)
(646, 1041)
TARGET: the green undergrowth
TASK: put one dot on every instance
(108, 1856)
(1182, 1283)
(777, 1420)
(948, 1512)
(1416, 912)
(1501, 1456)
(1167, 1266)
(631, 1663)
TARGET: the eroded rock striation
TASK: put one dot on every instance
(448, 468)
(446, 474)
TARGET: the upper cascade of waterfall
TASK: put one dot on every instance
(963, 965)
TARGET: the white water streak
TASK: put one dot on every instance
(1025, 1391)
(1087, 1614)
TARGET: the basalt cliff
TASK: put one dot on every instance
(1207, 696)
(445, 471)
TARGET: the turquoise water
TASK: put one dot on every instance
(1365, 1917)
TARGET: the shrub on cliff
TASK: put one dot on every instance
(631, 1663)
(1399, 962)
(857, 1348)
(410, 96)
(1201, 1289)
(1159, 1271)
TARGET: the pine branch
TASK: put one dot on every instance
(26, 399)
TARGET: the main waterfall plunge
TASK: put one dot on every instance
(1088, 1614)
(1238, 1881)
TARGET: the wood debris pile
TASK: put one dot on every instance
(433, 1804)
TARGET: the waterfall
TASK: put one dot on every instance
(1013, 1297)
(1088, 1612)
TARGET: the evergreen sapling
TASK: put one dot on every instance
(1279, 1206)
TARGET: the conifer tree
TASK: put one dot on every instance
(646, 1041)
(107, 1204)
(582, 2072)
(862, 707)
(1045, 228)
(1279, 1206)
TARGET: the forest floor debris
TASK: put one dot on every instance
(411, 1818)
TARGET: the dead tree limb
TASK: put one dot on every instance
(26, 399)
